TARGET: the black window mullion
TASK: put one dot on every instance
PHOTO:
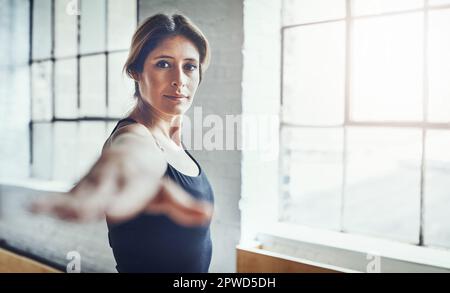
(138, 3)
(106, 59)
(78, 57)
(30, 84)
(425, 119)
(52, 54)
(87, 118)
(348, 44)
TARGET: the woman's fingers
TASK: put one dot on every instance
(65, 207)
(88, 201)
(179, 205)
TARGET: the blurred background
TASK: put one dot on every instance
(360, 89)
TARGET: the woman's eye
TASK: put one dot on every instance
(190, 67)
(162, 64)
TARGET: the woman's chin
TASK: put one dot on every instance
(176, 110)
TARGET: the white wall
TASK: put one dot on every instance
(261, 98)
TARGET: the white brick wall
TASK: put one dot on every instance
(261, 95)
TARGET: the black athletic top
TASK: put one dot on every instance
(153, 243)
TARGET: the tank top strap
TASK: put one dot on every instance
(121, 124)
(193, 159)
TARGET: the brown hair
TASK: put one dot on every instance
(153, 31)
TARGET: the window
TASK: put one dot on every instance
(365, 125)
(78, 89)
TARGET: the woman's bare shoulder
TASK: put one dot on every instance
(134, 129)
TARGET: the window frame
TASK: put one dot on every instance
(53, 59)
(423, 125)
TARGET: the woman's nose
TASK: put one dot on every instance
(178, 84)
(179, 80)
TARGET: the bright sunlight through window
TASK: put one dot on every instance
(366, 118)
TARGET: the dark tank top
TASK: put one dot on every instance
(154, 243)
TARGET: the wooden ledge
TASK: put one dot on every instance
(14, 263)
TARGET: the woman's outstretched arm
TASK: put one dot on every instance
(126, 180)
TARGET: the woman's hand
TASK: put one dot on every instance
(124, 182)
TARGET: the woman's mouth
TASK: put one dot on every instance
(176, 98)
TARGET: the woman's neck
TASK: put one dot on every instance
(159, 124)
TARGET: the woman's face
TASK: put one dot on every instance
(170, 76)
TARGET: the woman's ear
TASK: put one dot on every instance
(135, 75)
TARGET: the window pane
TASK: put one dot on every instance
(5, 87)
(14, 33)
(65, 151)
(6, 34)
(66, 89)
(92, 86)
(42, 31)
(14, 119)
(14, 90)
(121, 23)
(314, 74)
(65, 30)
(92, 136)
(120, 87)
(42, 151)
(41, 78)
(439, 66)
(438, 2)
(303, 11)
(382, 192)
(313, 166)
(93, 26)
(361, 7)
(387, 68)
(437, 189)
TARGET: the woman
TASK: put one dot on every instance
(156, 197)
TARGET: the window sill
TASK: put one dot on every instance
(353, 252)
(38, 184)
(258, 260)
(45, 238)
